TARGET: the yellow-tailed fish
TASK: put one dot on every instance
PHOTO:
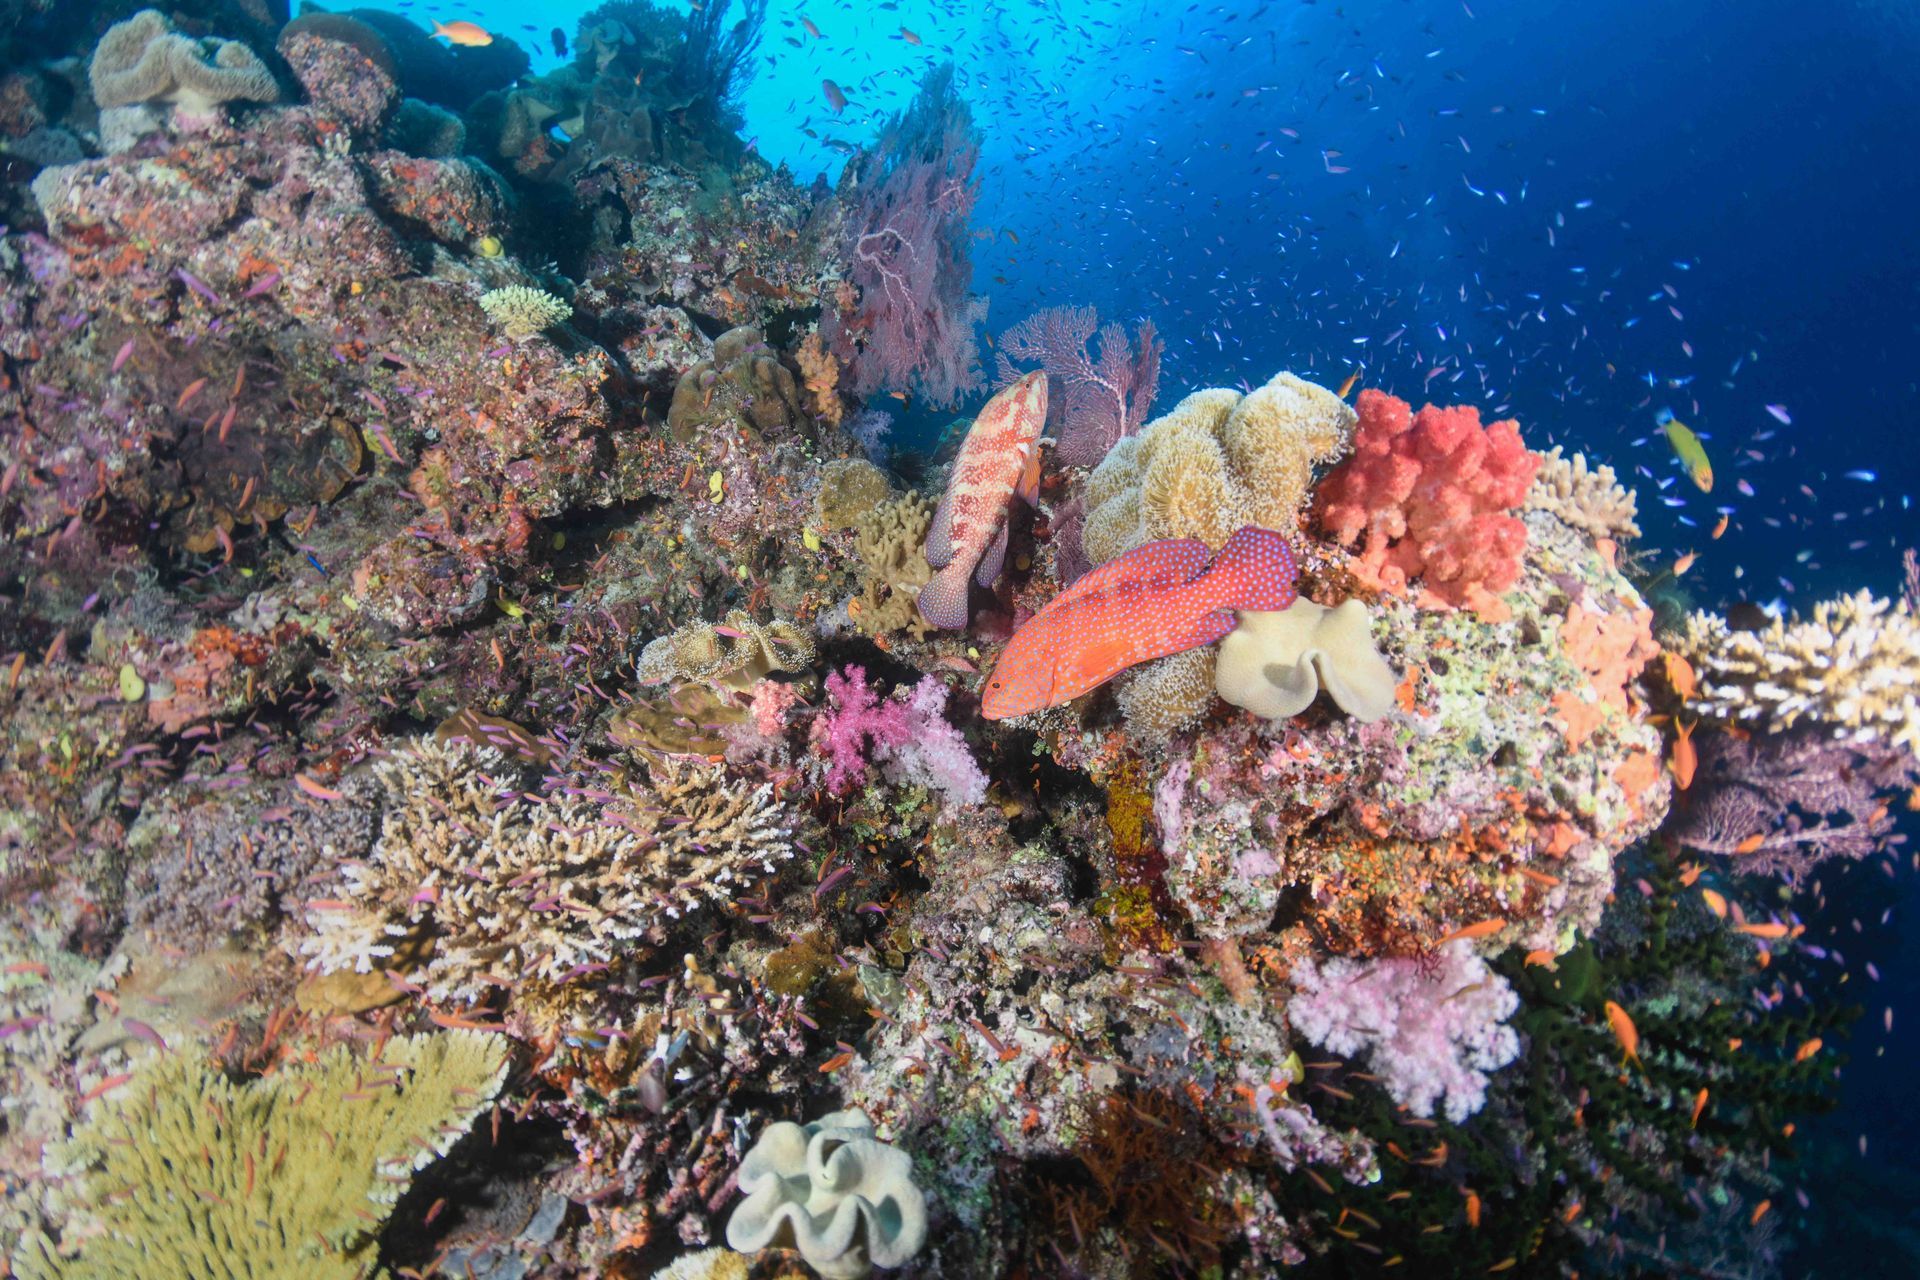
(1687, 448)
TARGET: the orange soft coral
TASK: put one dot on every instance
(1433, 492)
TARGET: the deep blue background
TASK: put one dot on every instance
(1756, 157)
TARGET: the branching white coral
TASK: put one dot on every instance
(1853, 666)
(506, 888)
(523, 312)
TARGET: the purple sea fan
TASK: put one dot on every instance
(1106, 398)
(1804, 796)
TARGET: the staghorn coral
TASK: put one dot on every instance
(1273, 664)
(193, 1174)
(736, 654)
(521, 312)
(508, 889)
(1433, 493)
(1216, 462)
(890, 539)
(143, 60)
(1592, 501)
(1852, 667)
(833, 1191)
(1432, 1033)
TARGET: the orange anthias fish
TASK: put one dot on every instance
(1623, 1030)
(1684, 759)
(999, 458)
(464, 33)
(1155, 600)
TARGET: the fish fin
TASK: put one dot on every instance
(1028, 487)
(990, 560)
(939, 548)
(1255, 570)
(943, 601)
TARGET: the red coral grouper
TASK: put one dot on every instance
(1155, 600)
(999, 458)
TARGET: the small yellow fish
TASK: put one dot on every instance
(1687, 448)
(463, 33)
(489, 246)
(1348, 384)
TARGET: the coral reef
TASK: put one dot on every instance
(522, 312)
(737, 654)
(1274, 664)
(905, 320)
(1433, 493)
(1431, 1033)
(145, 61)
(1105, 399)
(507, 892)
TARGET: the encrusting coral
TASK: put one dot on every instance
(1432, 493)
(1214, 463)
(833, 1191)
(507, 889)
(736, 654)
(144, 60)
(850, 488)
(190, 1173)
(521, 311)
(1273, 664)
(1853, 666)
(1592, 501)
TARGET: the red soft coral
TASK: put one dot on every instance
(1432, 492)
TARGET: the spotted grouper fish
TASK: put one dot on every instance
(1155, 600)
(999, 458)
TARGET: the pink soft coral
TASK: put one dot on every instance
(910, 739)
(1433, 492)
(1431, 1032)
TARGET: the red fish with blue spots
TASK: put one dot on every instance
(1155, 600)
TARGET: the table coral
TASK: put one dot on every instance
(1433, 494)
(1851, 666)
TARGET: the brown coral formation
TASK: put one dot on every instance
(737, 653)
(890, 539)
(1590, 500)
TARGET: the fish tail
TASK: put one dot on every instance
(1255, 570)
(943, 601)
